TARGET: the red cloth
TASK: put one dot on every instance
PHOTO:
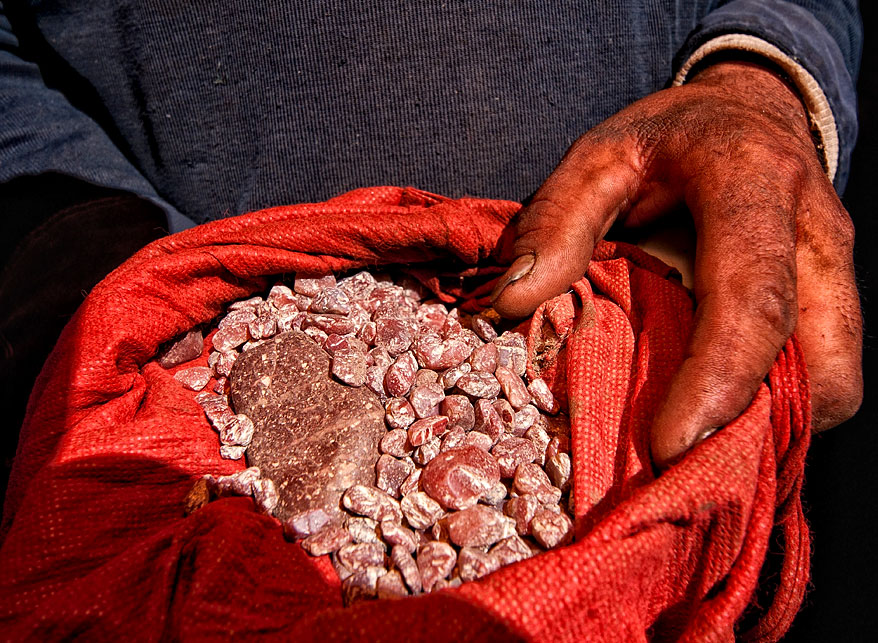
(95, 544)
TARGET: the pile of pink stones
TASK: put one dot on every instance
(474, 471)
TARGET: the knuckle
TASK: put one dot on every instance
(837, 401)
(774, 304)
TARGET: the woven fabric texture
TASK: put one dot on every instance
(94, 542)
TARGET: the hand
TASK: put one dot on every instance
(774, 249)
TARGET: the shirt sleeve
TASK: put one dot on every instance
(816, 43)
(42, 132)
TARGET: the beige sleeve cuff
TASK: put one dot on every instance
(815, 101)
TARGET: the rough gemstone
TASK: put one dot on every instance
(449, 378)
(511, 550)
(391, 473)
(484, 358)
(479, 385)
(425, 399)
(484, 328)
(551, 529)
(330, 538)
(459, 477)
(459, 411)
(435, 562)
(401, 375)
(479, 526)
(522, 509)
(405, 563)
(396, 443)
(230, 337)
(357, 556)
(423, 431)
(311, 285)
(195, 378)
(542, 395)
(331, 300)
(362, 529)
(314, 437)
(530, 478)
(420, 510)
(391, 586)
(524, 418)
(371, 502)
(559, 469)
(473, 564)
(427, 451)
(513, 387)
(511, 452)
(399, 413)
(349, 365)
(306, 523)
(182, 350)
(488, 421)
(394, 533)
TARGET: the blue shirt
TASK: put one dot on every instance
(218, 108)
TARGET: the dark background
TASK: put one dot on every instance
(841, 477)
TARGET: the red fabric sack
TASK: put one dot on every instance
(94, 542)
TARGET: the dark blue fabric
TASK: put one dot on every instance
(825, 37)
(218, 108)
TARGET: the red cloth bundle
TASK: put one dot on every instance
(94, 541)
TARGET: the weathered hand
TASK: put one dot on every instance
(774, 243)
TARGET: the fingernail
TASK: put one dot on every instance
(519, 268)
(706, 434)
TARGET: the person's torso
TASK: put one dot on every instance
(230, 106)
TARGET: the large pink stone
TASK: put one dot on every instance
(314, 437)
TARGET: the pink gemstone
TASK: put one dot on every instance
(511, 550)
(487, 420)
(473, 564)
(524, 419)
(513, 387)
(484, 328)
(424, 430)
(403, 561)
(479, 526)
(542, 396)
(459, 477)
(478, 439)
(331, 300)
(484, 358)
(396, 443)
(435, 562)
(371, 502)
(311, 285)
(330, 538)
(530, 478)
(358, 287)
(420, 510)
(425, 399)
(459, 411)
(401, 375)
(230, 337)
(511, 452)
(479, 385)
(551, 529)
(399, 413)
(449, 378)
(522, 509)
(391, 473)
(195, 378)
(396, 335)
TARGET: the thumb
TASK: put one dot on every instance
(556, 233)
